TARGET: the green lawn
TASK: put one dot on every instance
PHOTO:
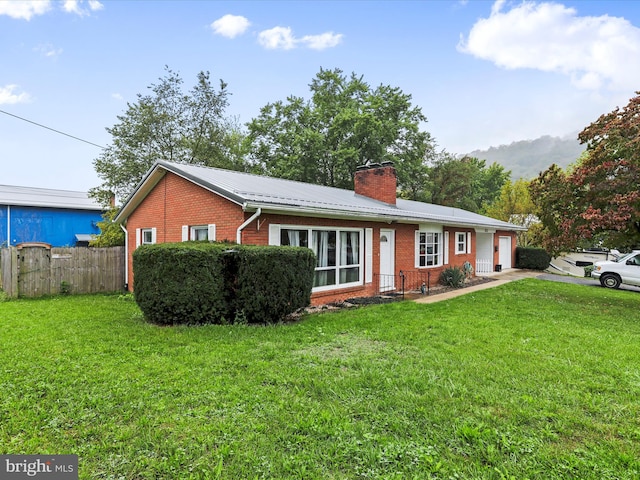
(532, 379)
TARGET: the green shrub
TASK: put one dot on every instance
(65, 288)
(193, 282)
(453, 277)
(273, 282)
(181, 283)
(588, 269)
(532, 258)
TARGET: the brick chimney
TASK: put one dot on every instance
(377, 181)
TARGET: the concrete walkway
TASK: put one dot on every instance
(498, 279)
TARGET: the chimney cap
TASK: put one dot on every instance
(371, 165)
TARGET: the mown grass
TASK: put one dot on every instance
(532, 379)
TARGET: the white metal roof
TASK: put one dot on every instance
(46, 197)
(305, 199)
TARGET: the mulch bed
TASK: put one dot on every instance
(380, 299)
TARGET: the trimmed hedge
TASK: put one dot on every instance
(177, 283)
(198, 282)
(532, 258)
(272, 282)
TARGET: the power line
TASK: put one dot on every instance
(52, 129)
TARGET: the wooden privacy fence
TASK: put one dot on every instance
(37, 269)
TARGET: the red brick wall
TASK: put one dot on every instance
(404, 250)
(458, 259)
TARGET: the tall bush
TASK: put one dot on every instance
(181, 283)
(532, 258)
(272, 282)
(194, 282)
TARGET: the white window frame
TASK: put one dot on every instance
(274, 239)
(461, 243)
(189, 232)
(141, 233)
(439, 255)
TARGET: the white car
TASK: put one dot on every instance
(614, 273)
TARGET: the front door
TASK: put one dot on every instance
(504, 252)
(387, 260)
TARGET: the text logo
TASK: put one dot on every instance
(45, 467)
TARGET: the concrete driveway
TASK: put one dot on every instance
(581, 281)
(513, 274)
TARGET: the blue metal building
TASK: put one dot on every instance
(61, 218)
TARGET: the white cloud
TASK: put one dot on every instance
(48, 50)
(8, 97)
(95, 5)
(24, 9)
(117, 96)
(282, 38)
(322, 41)
(595, 52)
(277, 38)
(230, 26)
(76, 6)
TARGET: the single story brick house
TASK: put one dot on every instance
(363, 239)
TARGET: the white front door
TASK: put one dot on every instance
(504, 252)
(387, 260)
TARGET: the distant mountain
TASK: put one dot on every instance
(528, 158)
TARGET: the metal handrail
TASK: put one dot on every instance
(405, 281)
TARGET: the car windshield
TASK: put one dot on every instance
(626, 257)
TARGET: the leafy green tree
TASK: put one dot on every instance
(111, 235)
(552, 195)
(168, 124)
(514, 205)
(490, 181)
(344, 124)
(598, 200)
(464, 182)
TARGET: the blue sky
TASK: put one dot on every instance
(485, 73)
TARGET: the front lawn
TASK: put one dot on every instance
(532, 379)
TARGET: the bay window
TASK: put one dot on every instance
(428, 249)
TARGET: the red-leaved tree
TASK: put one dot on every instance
(599, 199)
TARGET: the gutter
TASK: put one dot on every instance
(382, 216)
(247, 222)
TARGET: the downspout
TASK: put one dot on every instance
(8, 225)
(126, 257)
(247, 222)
